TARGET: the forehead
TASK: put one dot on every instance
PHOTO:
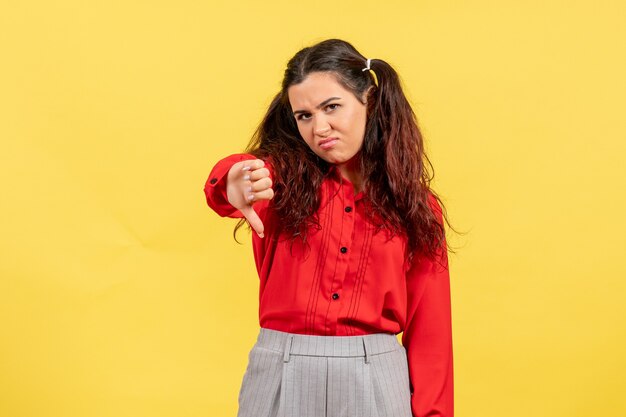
(315, 88)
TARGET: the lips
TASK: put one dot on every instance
(327, 143)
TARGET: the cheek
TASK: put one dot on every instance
(355, 121)
(306, 138)
(360, 125)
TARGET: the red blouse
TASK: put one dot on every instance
(352, 281)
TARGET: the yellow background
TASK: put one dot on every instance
(122, 294)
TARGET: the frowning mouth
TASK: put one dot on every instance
(327, 143)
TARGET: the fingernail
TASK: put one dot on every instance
(246, 177)
(250, 196)
(249, 189)
(261, 235)
(246, 168)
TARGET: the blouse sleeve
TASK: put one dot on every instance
(427, 336)
(215, 185)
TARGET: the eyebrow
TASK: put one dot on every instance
(319, 106)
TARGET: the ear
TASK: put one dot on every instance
(366, 94)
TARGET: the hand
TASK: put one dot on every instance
(248, 182)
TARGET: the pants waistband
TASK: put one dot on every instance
(333, 346)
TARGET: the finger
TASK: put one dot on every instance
(254, 220)
(259, 173)
(262, 195)
(252, 165)
(260, 185)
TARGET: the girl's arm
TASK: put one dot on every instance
(427, 336)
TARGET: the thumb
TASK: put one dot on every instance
(253, 219)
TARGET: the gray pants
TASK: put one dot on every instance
(294, 375)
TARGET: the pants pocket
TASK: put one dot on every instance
(390, 383)
(260, 386)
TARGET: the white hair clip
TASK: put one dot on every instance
(367, 68)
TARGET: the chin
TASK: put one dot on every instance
(330, 159)
(335, 161)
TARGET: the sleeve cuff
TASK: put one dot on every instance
(215, 186)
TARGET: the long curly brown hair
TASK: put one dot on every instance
(392, 159)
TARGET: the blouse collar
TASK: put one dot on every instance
(335, 175)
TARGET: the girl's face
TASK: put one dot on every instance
(330, 118)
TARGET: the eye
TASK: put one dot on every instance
(304, 116)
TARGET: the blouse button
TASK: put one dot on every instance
(343, 249)
(213, 180)
(335, 296)
(348, 209)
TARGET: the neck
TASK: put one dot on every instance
(352, 172)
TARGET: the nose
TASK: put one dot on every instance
(322, 128)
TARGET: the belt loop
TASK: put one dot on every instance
(287, 348)
(365, 350)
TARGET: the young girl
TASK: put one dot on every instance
(349, 246)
